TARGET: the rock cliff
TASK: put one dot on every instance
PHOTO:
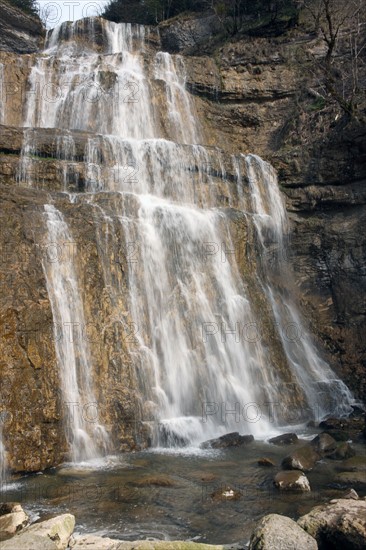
(252, 96)
(19, 32)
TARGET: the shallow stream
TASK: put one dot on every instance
(174, 495)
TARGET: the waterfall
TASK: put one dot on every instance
(323, 390)
(86, 436)
(204, 358)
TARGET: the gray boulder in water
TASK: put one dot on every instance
(233, 439)
(275, 532)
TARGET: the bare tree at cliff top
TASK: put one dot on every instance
(341, 24)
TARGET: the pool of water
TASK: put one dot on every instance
(171, 495)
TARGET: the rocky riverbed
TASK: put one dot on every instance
(308, 486)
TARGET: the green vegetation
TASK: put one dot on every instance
(149, 12)
(318, 104)
(28, 6)
(235, 15)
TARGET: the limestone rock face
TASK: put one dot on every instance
(339, 524)
(280, 533)
(31, 400)
(186, 34)
(19, 32)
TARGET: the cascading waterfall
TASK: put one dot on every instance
(323, 391)
(186, 294)
(87, 437)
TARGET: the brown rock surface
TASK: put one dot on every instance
(339, 524)
(20, 32)
(251, 96)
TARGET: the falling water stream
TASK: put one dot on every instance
(187, 294)
(86, 439)
(186, 299)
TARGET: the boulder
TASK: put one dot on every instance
(28, 541)
(343, 451)
(12, 519)
(275, 532)
(324, 444)
(92, 542)
(354, 479)
(303, 459)
(338, 524)
(354, 464)
(57, 530)
(333, 424)
(353, 425)
(292, 481)
(353, 472)
(233, 439)
(284, 439)
(339, 435)
(226, 492)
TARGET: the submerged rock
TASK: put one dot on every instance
(275, 532)
(354, 464)
(284, 439)
(233, 439)
(157, 481)
(324, 444)
(292, 481)
(355, 479)
(12, 519)
(266, 462)
(343, 451)
(227, 492)
(205, 477)
(339, 435)
(338, 524)
(353, 471)
(303, 459)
